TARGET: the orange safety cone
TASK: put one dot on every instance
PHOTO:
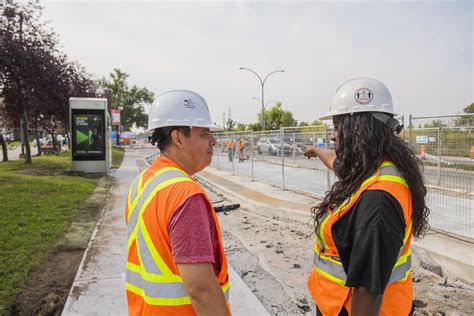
(423, 152)
(472, 152)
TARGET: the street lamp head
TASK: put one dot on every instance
(282, 70)
(241, 68)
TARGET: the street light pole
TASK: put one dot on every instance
(262, 82)
(266, 104)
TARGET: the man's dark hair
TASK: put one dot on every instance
(161, 137)
(363, 143)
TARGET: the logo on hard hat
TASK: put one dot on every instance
(189, 104)
(363, 96)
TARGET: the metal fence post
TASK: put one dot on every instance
(438, 180)
(282, 153)
(293, 147)
(253, 150)
(232, 152)
(328, 173)
(218, 149)
(403, 130)
(409, 130)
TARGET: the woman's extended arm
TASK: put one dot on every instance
(327, 156)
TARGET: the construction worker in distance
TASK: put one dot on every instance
(242, 156)
(230, 148)
(364, 225)
(176, 263)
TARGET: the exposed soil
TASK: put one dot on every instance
(48, 285)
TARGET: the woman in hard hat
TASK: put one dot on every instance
(364, 225)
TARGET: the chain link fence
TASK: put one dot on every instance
(446, 148)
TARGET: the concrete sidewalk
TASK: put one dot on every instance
(99, 285)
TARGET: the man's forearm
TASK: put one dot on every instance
(203, 289)
(209, 301)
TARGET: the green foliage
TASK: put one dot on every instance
(313, 123)
(37, 204)
(455, 142)
(230, 124)
(469, 108)
(436, 123)
(467, 120)
(129, 100)
(276, 117)
(117, 156)
(254, 127)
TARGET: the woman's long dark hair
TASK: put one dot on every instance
(363, 142)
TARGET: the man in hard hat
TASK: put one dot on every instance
(176, 263)
(365, 224)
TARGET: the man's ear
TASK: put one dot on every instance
(177, 138)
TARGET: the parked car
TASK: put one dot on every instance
(267, 145)
(272, 146)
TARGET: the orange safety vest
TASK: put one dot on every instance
(154, 285)
(241, 144)
(327, 281)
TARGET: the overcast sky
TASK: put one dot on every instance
(422, 50)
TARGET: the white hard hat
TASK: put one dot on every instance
(180, 108)
(360, 95)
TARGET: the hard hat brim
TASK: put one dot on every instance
(329, 115)
(212, 127)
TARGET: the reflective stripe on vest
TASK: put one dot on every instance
(331, 267)
(152, 279)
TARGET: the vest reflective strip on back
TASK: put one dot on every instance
(331, 268)
(153, 280)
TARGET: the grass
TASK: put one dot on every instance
(117, 156)
(37, 203)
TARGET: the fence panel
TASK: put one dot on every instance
(276, 157)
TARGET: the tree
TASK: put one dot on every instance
(230, 124)
(276, 118)
(26, 43)
(4, 148)
(130, 101)
(467, 120)
(313, 123)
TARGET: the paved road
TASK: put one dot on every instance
(456, 179)
(449, 211)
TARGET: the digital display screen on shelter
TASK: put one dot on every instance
(89, 135)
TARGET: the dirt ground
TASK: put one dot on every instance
(48, 285)
(271, 250)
